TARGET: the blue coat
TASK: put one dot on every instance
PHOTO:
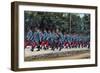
(37, 36)
(29, 35)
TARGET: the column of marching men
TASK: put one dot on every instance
(54, 39)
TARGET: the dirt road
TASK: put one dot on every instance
(57, 55)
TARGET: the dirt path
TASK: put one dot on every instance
(79, 56)
(29, 53)
(57, 55)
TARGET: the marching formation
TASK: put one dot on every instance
(54, 39)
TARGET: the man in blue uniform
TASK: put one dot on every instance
(37, 36)
(53, 40)
(61, 40)
(29, 35)
(45, 40)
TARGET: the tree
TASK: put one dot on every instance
(66, 22)
(86, 24)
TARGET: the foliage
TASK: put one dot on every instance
(66, 22)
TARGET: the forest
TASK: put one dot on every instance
(70, 23)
